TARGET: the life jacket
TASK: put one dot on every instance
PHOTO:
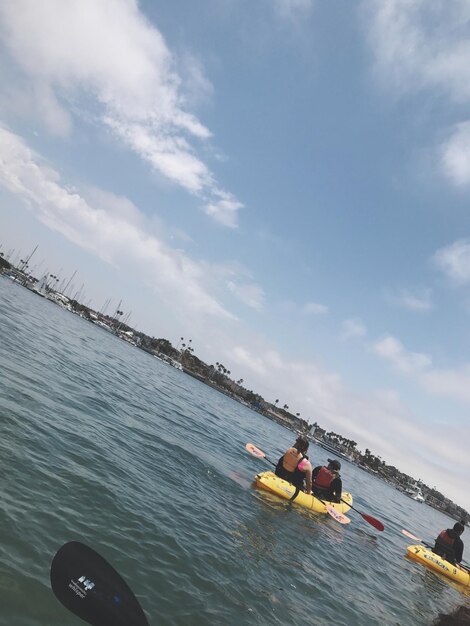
(295, 477)
(445, 539)
(324, 478)
(444, 545)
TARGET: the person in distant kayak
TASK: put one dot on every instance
(449, 545)
(327, 483)
(295, 467)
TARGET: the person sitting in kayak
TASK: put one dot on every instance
(327, 483)
(449, 545)
(295, 467)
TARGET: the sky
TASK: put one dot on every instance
(284, 182)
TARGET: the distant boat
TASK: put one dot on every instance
(414, 492)
(40, 286)
(169, 361)
(176, 365)
(103, 325)
(366, 468)
(330, 448)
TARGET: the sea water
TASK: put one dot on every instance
(104, 444)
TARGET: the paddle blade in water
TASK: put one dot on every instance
(373, 521)
(405, 532)
(91, 589)
(339, 517)
(255, 451)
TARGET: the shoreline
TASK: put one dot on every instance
(218, 379)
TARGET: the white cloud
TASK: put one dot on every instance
(418, 301)
(425, 45)
(454, 261)
(249, 361)
(57, 120)
(107, 52)
(196, 86)
(352, 328)
(455, 155)
(418, 44)
(404, 361)
(305, 382)
(451, 383)
(115, 205)
(224, 209)
(249, 293)
(110, 229)
(313, 308)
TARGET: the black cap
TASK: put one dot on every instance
(459, 527)
(334, 464)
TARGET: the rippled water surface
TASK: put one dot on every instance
(102, 443)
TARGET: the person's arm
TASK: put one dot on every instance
(308, 477)
(337, 489)
(458, 550)
(279, 465)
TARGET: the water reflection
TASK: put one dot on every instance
(435, 583)
(365, 538)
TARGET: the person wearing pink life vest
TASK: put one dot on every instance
(295, 467)
(449, 545)
(327, 483)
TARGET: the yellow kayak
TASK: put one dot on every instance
(426, 557)
(270, 482)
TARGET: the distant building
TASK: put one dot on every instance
(316, 431)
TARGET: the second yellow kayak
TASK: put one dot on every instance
(424, 556)
(270, 482)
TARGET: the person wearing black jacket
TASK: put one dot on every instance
(326, 481)
(449, 545)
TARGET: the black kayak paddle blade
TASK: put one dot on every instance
(88, 586)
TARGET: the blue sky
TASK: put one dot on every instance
(285, 182)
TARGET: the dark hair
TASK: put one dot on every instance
(459, 527)
(334, 464)
(301, 444)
